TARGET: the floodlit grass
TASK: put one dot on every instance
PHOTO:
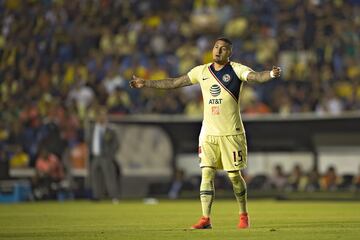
(171, 220)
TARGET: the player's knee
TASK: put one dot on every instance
(234, 174)
(236, 178)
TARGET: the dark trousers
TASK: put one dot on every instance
(103, 172)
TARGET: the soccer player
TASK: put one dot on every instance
(222, 141)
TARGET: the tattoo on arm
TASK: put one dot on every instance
(169, 83)
(259, 77)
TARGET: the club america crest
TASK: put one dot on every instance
(226, 78)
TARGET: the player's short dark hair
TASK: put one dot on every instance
(224, 39)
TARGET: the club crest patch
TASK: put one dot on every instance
(226, 78)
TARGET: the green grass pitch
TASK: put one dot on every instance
(171, 220)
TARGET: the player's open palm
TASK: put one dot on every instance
(137, 82)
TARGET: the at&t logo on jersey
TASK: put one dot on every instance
(215, 91)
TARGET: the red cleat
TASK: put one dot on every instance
(244, 221)
(204, 223)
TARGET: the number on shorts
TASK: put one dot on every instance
(237, 158)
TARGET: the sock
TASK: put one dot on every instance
(239, 187)
(207, 191)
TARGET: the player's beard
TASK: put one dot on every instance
(219, 60)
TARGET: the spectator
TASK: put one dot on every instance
(255, 106)
(113, 81)
(119, 102)
(19, 159)
(296, 179)
(49, 174)
(356, 180)
(330, 180)
(278, 180)
(313, 181)
(82, 95)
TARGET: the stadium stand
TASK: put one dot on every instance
(60, 60)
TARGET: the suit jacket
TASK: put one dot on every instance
(109, 145)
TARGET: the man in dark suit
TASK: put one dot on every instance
(103, 145)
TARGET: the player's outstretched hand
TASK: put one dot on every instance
(276, 71)
(137, 82)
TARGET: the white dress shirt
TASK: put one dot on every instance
(99, 130)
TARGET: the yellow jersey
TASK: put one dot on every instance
(221, 94)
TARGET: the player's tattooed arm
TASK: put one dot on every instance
(167, 83)
(264, 76)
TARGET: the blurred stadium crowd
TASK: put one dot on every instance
(62, 59)
(299, 180)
